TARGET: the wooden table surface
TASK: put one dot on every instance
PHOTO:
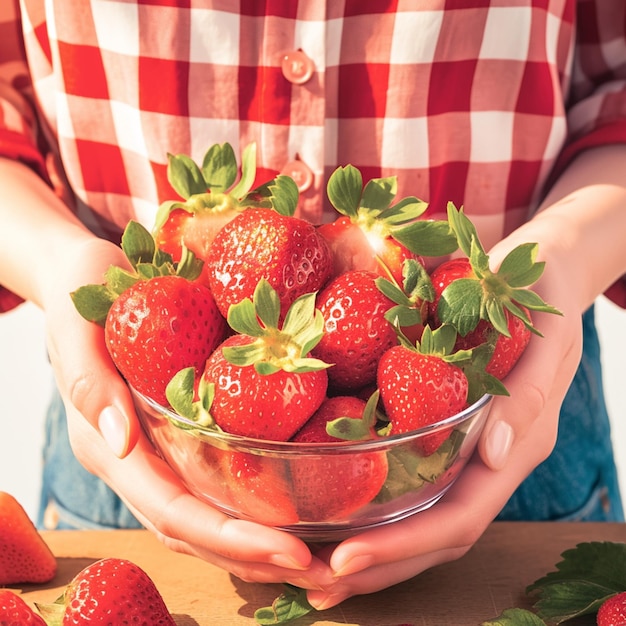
(490, 578)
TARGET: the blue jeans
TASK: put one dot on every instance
(577, 482)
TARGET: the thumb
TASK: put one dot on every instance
(537, 385)
(89, 381)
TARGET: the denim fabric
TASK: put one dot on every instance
(79, 499)
(577, 482)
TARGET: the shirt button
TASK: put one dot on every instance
(301, 174)
(297, 67)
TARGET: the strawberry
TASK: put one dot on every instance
(210, 198)
(612, 612)
(24, 555)
(373, 235)
(423, 384)
(286, 251)
(15, 612)
(508, 348)
(356, 331)
(109, 591)
(258, 487)
(183, 317)
(315, 431)
(411, 299)
(467, 293)
(260, 382)
(332, 486)
(156, 321)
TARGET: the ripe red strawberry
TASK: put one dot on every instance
(259, 487)
(373, 235)
(314, 431)
(194, 230)
(24, 555)
(210, 198)
(331, 487)
(422, 385)
(468, 292)
(15, 612)
(353, 248)
(508, 347)
(356, 331)
(286, 251)
(160, 326)
(156, 320)
(272, 406)
(110, 591)
(613, 611)
(260, 382)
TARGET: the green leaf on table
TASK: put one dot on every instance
(515, 617)
(288, 606)
(585, 577)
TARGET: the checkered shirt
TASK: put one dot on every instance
(479, 102)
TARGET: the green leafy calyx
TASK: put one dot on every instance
(213, 185)
(276, 346)
(372, 208)
(487, 294)
(411, 297)
(146, 261)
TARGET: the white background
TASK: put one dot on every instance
(26, 379)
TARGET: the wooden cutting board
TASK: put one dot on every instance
(489, 579)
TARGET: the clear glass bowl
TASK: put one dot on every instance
(320, 492)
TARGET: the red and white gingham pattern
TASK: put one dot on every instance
(474, 101)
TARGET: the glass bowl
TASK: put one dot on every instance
(320, 492)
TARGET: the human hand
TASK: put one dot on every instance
(520, 433)
(107, 439)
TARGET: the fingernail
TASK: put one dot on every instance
(355, 564)
(286, 560)
(305, 583)
(498, 444)
(113, 427)
(320, 600)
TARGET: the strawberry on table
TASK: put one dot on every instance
(157, 319)
(15, 612)
(110, 591)
(356, 332)
(612, 612)
(24, 555)
(286, 251)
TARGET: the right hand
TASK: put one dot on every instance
(107, 439)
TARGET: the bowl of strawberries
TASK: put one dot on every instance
(320, 488)
(319, 379)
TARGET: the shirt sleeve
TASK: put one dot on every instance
(596, 106)
(18, 121)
